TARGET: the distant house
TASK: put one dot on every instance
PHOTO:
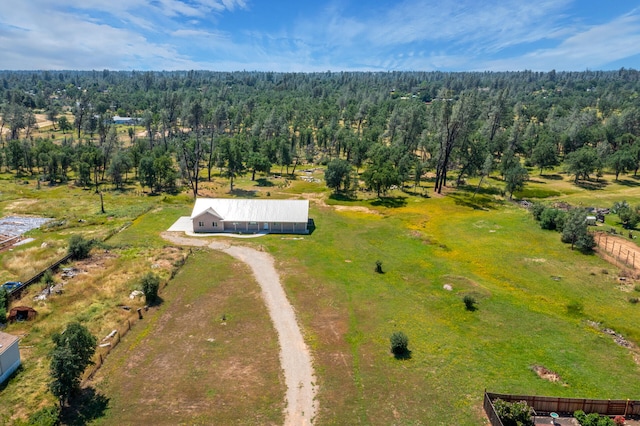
(131, 121)
(9, 356)
(250, 215)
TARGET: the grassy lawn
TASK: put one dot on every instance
(184, 365)
(537, 301)
(523, 278)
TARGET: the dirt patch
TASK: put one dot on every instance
(546, 374)
(618, 251)
(319, 199)
(360, 209)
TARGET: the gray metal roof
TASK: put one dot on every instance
(254, 210)
(6, 340)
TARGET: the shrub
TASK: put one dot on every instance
(593, 419)
(79, 247)
(469, 302)
(47, 416)
(399, 343)
(379, 267)
(4, 305)
(150, 284)
(619, 420)
(514, 413)
(575, 308)
(634, 300)
(536, 210)
(548, 218)
(47, 278)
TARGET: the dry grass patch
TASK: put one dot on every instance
(184, 364)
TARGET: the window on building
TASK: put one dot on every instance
(201, 224)
(215, 224)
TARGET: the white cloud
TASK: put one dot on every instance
(409, 35)
(594, 47)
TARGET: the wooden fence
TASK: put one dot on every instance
(490, 410)
(567, 406)
(619, 252)
(9, 241)
(109, 344)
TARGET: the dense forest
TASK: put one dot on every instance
(374, 130)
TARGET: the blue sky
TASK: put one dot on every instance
(305, 36)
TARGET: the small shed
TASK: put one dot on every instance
(22, 313)
(9, 355)
(591, 220)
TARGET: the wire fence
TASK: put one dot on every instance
(621, 252)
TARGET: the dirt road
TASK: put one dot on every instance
(295, 357)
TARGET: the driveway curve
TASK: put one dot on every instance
(295, 357)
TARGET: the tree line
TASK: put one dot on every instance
(384, 129)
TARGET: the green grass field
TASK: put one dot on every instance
(536, 301)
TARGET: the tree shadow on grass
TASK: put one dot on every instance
(628, 183)
(550, 177)
(422, 192)
(392, 202)
(264, 182)
(157, 302)
(243, 193)
(86, 406)
(342, 196)
(476, 203)
(591, 185)
(402, 355)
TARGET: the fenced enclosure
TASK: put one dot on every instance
(549, 404)
(625, 253)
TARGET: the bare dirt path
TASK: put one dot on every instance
(295, 357)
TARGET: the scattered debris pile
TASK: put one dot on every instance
(546, 374)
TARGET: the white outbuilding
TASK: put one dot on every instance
(9, 355)
(248, 215)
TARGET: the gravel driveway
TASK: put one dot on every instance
(294, 353)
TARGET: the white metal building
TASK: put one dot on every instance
(250, 215)
(9, 355)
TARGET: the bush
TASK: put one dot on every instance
(150, 284)
(79, 247)
(575, 308)
(469, 302)
(47, 416)
(379, 267)
(47, 278)
(536, 210)
(549, 218)
(514, 413)
(4, 305)
(593, 419)
(399, 343)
